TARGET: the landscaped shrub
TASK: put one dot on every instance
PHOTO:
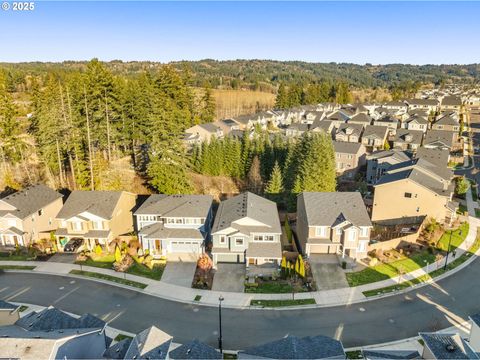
(118, 254)
(98, 249)
(124, 264)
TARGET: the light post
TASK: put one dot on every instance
(220, 299)
(448, 249)
(427, 264)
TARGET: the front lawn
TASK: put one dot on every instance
(278, 286)
(457, 239)
(16, 267)
(109, 278)
(385, 271)
(14, 257)
(281, 303)
(102, 261)
(141, 270)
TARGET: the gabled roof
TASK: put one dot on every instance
(195, 350)
(476, 319)
(437, 157)
(422, 102)
(292, 347)
(29, 200)
(418, 119)
(325, 208)
(7, 306)
(373, 354)
(99, 203)
(118, 350)
(247, 205)
(396, 154)
(361, 118)
(446, 119)
(451, 101)
(439, 136)
(54, 319)
(325, 125)
(151, 343)
(387, 120)
(408, 136)
(375, 131)
(176, 205)
(396, 104)
(350, 129)
(448, 346)
(159, 231)
(344, 147)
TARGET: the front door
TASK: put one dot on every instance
(158, 247)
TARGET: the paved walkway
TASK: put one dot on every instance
(333, 297)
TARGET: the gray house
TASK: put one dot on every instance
(379, 162)
(247, 229)
(174, 224)
(408, 139)
(446, 346)
(333, 223)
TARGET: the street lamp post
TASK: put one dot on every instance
(220, 299)
(448, 249)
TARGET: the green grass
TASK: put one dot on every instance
(355, 354)
(104, 262)
(23, 308)
(13, 257)
(109, 278)
(456, 238)
(273, 287)
(16, 267)
(457, 262)
(141, 270)
(385, 271)
(197, 298)
(282, 303)
(461, 209)
(229, 356)
(121, 337)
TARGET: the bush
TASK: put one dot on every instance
(98, 249)
(344, 264)
(461, 186)
(124, 264)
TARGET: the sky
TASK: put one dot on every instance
(354, 32)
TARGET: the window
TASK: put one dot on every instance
(352, 234)
(418, 209)
(408, 195)
(179, 221)
(97, 225)
(222, 239)
(364, 231)
(77, 225)
(269, 238)
(362, 246)
(170, 221)
(40, 212)
(238, 241)
(339, 231)
(321, 231)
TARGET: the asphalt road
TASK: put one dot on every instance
(426, 309)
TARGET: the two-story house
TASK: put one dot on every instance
(380, 161)
(408, 139)
(174, 224)
(416, 122)
(390, 122)
(361, 118)
(446, 122)
(96, 217)
(203, 133)
(430, 105)
(247, 229)
(333, 223)
(28, 215)
(451, 103)
(349, 132)
(350, 158)
(374, 137)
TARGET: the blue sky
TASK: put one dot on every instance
(358, 32)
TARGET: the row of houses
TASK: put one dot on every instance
(54, 334)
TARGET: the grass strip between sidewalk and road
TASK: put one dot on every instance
(109, 278)
(424, 278)
(282, 303)
(16, 267)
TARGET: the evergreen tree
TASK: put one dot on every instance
(254, 178)
(275, 184)
(281, 101)
(207, 105)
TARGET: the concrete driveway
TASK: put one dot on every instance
(64, 258)
(327, 272)
(229, 278)
(179, 272)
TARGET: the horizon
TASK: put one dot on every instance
(379, 33)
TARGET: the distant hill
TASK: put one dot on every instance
(265, 75)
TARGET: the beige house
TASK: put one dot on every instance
(453, 103)
(349, 158)
(333, 223)
(97, 217)
(408, 139)
(374, 137)
(446, 122)
(415, 188)
(203, 132)
(247, 230)
(28, 215)
(349, 132)
(416, 122)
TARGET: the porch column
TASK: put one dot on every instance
(343, 252)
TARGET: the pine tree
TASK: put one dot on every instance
(275, 184)
(254, 178)
(208, 105)
(281, 101)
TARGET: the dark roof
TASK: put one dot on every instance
(408, 136)
(446, 119)
(451, 101)
(176, 205)
(448, 346)
(54, 319)
(438, 157)
(350, 129)
(375, 131)
(347, 147)
(29, 200)
(151, 343)
(325, 208)
(390, 354)
(361, 118)
(423, 102)
(395, 153)
(292, 347)
(117, 350)
(195, 350)
(443, 136)
(418, 118)
(7, 306)
(99, 203)
(476, 319)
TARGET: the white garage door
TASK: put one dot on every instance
(185, 247)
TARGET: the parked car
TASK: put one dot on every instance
(73, 245)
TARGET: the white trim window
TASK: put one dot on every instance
(362, 246)
(238, 241)
(364, 231)
(222, 239)
(77, 225)
(321, 231)
(352, 234)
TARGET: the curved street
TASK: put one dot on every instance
(429, 308)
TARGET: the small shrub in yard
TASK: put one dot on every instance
(98, 249)
(124, 264)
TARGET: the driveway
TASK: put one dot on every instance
(229, 278)
(179, 272)
(64, 258)
(327, 272)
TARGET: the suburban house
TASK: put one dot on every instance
(361, 118)
(174, 223)
(416, 122)
(474, 338)
(430, 105)
(97, 217)
(310, 116)
(28, 215)
(247, 229)
(227, 125)
(435, 156)
(9, 313)
(451, 103)
(446, 346)
(339, 117)
(415, 188)
(408, 139)
(53, 334)
(446, 122)
(324, 125)
(333, 223)
(398, 106)
(443, 139)
(374, 137)
(349, 158)
(390, 122)
(296, 129)
(292, 347)
(349, 132)
(380, 161)
(202, 132)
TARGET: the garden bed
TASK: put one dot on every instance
(282, 303)
(16, 267)
(278, 286)
(109, 278)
